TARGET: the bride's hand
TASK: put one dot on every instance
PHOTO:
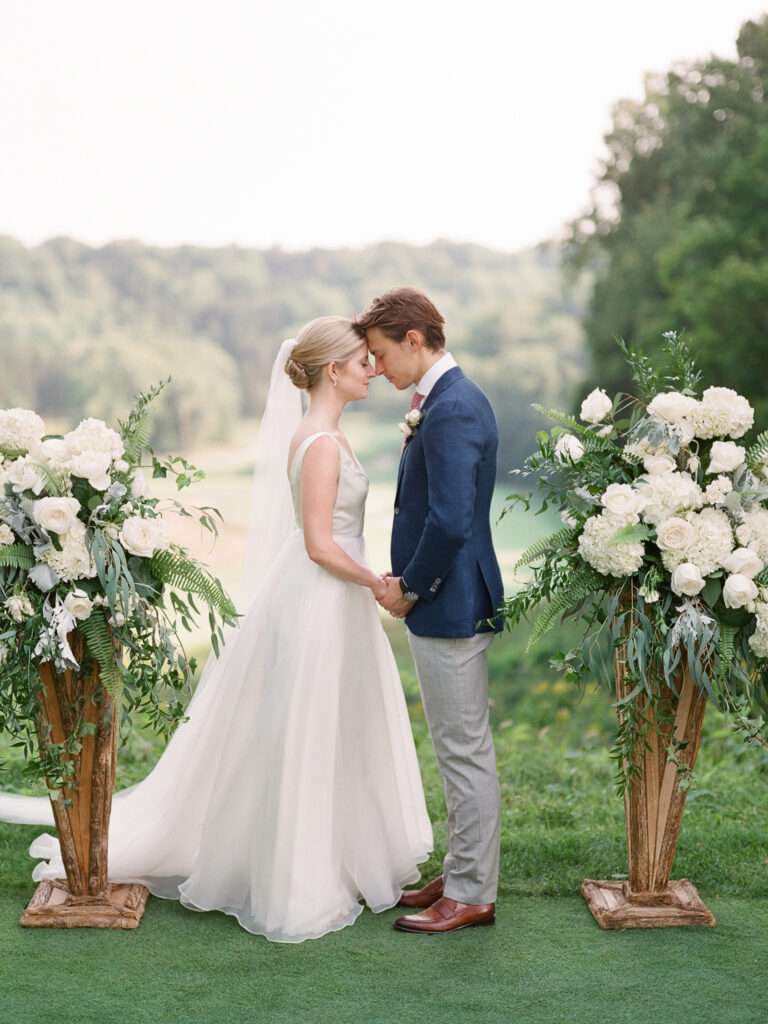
(380, 588)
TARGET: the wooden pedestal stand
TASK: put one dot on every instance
(653, 809)
(85, 899)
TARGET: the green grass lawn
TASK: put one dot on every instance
(545, 961)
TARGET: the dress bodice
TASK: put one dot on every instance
(349, 507)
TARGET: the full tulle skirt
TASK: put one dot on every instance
(293, 791)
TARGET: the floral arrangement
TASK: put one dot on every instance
(411, 423)
(84, 550)
(664, 547)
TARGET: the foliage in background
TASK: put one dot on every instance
(82, 329)
(678, 229)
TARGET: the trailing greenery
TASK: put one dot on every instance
(648, 496)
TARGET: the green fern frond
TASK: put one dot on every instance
(563, 420)
(578, 589)
(555, 540)
(99, 641)
(726, 651)
(138, 438)
(16, 556)
(757, 453)
(176, 570)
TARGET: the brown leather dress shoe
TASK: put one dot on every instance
(423, 897)
(447, 915)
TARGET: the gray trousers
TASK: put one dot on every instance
(453, 677)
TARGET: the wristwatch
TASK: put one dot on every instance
(409, 595)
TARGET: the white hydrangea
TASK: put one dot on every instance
(92, 466)
(610, 559)
(753, 532)
(759, 639)
(94, 435)
(725, 456)
(708, 544)
(718, 490)
(20, 429)
(666, 494)
(74, 561)
(722, 412)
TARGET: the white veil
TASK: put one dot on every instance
(271, 503)
(272, 521)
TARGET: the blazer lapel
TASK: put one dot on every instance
(450, 377)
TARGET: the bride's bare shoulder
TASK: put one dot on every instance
(301, 436)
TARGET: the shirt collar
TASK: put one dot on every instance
(434, 373)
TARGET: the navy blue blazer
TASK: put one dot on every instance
(441, 534)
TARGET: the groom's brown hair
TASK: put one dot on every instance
(402, 310)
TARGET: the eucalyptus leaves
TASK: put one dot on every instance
(83, 546)
(664, 512)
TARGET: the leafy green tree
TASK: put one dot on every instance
(677, 233)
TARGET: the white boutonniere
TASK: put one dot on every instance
(411, 423)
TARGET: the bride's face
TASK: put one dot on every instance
(354, 375)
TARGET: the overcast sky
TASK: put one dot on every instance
(322, 122)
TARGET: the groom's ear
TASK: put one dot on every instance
(415, 339)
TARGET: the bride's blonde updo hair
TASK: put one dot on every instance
(328, 339)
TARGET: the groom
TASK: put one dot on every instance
(446, 584)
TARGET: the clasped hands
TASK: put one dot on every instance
(390, 596)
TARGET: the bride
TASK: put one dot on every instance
(292, 791)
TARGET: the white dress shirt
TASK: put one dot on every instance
(434, 373)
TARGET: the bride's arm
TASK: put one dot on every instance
(319, 484)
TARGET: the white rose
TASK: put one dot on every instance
(57, 515)
(6, 535)
(595, 406)
(725, 457)
(54, 451)
(744, 562)
(622, 500)
(413, 417)
(24, 475)
(672, 406)
(405, 428)
(78, 604)
(568, 448)
(139, 486)
(659, 464)
(686, 579)
(93, 467)
(675, 534)
(143, 537)
(739, 590)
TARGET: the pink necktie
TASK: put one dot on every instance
(416, 400)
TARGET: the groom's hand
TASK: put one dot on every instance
(393, 600)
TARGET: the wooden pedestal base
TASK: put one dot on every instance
(614, 906)
(53, 906)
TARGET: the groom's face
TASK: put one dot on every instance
(398, 361)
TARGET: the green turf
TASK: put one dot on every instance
(544, 961)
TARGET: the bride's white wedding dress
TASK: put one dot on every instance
(293, 790)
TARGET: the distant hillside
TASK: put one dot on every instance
(83, 328)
